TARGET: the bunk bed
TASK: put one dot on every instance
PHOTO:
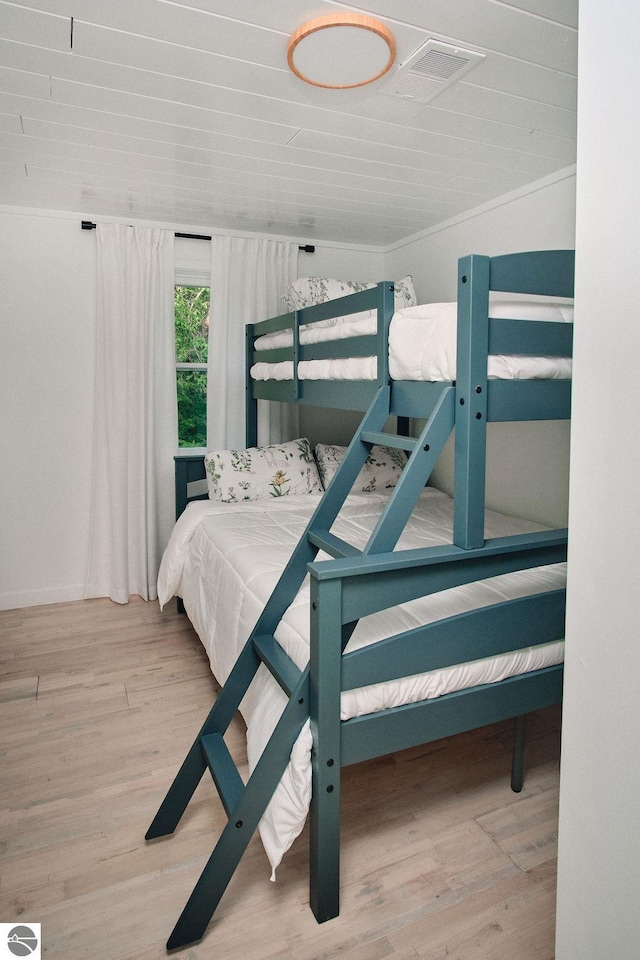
(344, 566)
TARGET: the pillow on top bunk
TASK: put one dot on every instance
(308, 291)
(258, 473)
(381, 471)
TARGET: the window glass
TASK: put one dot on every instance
(192, 333)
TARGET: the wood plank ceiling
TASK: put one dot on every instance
(186, 113)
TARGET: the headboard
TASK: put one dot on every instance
(189, 469)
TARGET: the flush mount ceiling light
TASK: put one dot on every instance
(341, 50)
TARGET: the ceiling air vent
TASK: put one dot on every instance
(430, 70)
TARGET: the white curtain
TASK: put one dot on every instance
(248, 278)
(135, 412)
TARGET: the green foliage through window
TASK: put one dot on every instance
(192, 332)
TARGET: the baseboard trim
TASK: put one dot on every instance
(37, 598)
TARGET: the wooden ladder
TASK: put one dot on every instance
(245, 804)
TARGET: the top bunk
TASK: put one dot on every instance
(505, 345)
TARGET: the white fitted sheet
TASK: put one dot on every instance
(225, 559)
(422, 345)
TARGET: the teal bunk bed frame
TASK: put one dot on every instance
(356, 583)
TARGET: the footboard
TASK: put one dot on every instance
(343, 591)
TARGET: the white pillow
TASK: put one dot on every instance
(308, 291)
(381, 470)
(258, 473)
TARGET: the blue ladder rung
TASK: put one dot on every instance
(223, 770)
(279, 663)
(334, 546)
(388, 440)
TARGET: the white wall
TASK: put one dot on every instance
(541, 217)
(47, 318)
(47, 329)
(343, 263)
(527, 464)
(599, 846)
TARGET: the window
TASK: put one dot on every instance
(192, 331)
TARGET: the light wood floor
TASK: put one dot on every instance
(99, 703)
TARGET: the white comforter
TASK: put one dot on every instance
(225, 559)
(422, 346)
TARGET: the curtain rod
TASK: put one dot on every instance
(307, 247)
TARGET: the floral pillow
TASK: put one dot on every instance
(307, 291)
(259, 473)
(381, 471)
(404, 294)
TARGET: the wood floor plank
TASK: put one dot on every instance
(98, 705)
(24, 688)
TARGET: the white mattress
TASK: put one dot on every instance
(225, 559)
(422, 346)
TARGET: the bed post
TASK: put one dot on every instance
(517, 759)
(251, 404)
(471, 402)
(324, 703)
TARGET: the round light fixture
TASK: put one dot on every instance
(341, 50)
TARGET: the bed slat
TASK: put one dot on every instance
(532, 337)
(377, 734)
(547, 273)
(485, 632)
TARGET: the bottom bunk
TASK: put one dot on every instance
(468, 646)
